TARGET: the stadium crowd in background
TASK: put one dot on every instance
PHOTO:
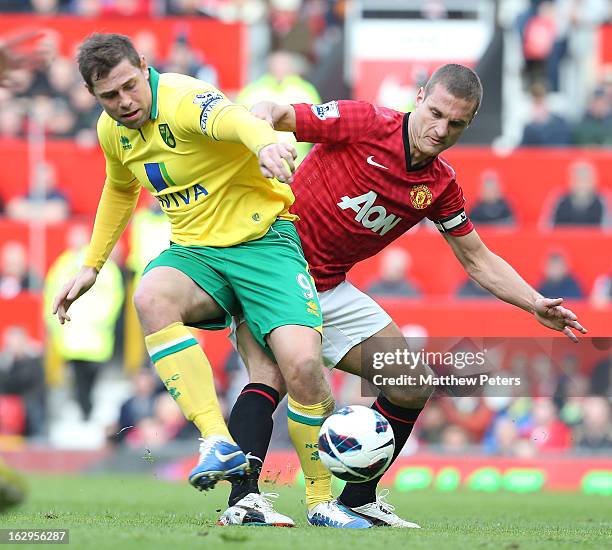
(301, 32)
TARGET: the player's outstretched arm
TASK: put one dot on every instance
(235, 123)
(280, 117)
(72, 290)
(500, 279)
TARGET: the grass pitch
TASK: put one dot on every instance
(125, 512)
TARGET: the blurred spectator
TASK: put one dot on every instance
(44, 203)
(491, 208)
(434, 9)
(558, 281)
(282, 84)
(149, 235)
(11, 121)
(454, 440)
(127, 8)
(582, 205)
(544, 128)
(46, 7)
(184, 7)
(538, 39)
(62, 124)
(595, 432)
(471, 289)
(393, 281)
(601, 378)
(86, 8)
(165, 425)
(431, 423)
(183, 59)
(87, 342)
(63, 78)
(471, 414)
(139, 406)
(601, 295)
(505, 436)
(595, 128)
(84, 106)
(237, 378)
(147, 44)
(547, 432)
(545, 39)
(15, 276)
(21, 373)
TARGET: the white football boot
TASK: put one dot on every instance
(255, 509)
(381, 514)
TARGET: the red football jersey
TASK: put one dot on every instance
(356, 191)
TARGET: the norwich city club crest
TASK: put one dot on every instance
(125, 143)
(167, 136)
(420, 196)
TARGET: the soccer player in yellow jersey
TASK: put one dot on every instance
(234, 248)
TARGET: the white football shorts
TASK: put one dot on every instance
(349, 318)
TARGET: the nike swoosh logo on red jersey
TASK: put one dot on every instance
(371, 161)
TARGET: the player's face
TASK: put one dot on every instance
(439, 120)
(125, 94)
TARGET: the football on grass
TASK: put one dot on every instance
(356, 443)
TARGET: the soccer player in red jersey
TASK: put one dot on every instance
(373, 174)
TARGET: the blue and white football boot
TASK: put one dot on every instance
(381, 513)
(334, 514)
(219, 459)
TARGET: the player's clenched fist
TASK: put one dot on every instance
(276, 161)
(77, 286)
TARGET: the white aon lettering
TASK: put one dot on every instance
(370, 216)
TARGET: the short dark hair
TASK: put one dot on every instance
(100, 53)
(459, 80)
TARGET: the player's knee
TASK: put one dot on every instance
(303, 375)
(154, 309)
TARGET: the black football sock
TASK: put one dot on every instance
(402, 421)
(251, 425)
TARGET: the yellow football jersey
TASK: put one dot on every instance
(212, 191)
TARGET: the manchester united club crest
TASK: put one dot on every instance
(420, 196)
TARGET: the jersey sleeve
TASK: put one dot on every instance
(197, 108)
(449, 214)
(118, 201)
(212, 114)
(334, 122)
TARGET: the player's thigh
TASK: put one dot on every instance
(182, 284)
(271, 281)
(384, 357)
(349, 317)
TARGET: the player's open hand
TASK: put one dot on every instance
(276, 161)
(552, 315)
(77, 286)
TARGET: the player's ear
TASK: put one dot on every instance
(420, 96)
(143, 65)
(89, 89)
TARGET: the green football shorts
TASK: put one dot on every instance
(265, 280)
